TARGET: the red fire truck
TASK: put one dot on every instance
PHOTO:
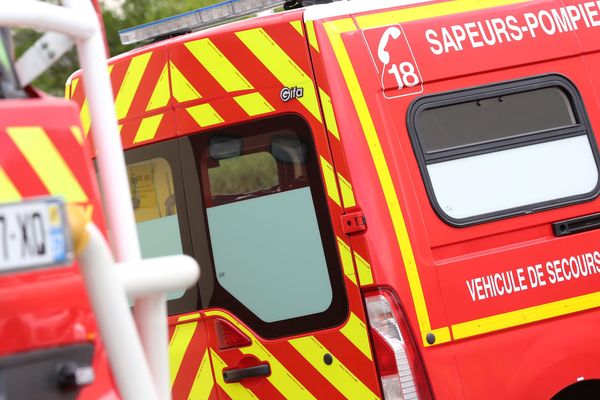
(392, 199)
(66, 330)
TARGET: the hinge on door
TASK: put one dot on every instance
(354, 222)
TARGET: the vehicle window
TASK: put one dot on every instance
(158, 198)
(153, 198)
(273, 254)
(243, 174)
(505, 149)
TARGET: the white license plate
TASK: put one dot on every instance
(34, 233)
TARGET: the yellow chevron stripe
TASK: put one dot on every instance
(428, 11)
(280, 377)
(84, 113)
(281, 66)
(183, 90)
(8, 191)
(188, 317)
(356, 331)
(203, 383)
(148, 128)
(254, 104)
(347, 192)
(365, 275)
(346, 256)
(330, 183)
(47, 162)
(312, 37)
(70, 89)
(218, 65)
(85, 117)
(130, 84)
(337, 373)
(205, 115)
(76, 132)
(178, 346)
(160, 94)
(297, 25)
(235, 390)
(329, 114)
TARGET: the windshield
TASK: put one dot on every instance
(9, 85)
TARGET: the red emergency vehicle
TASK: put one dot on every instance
(66, 330)
(393, 199)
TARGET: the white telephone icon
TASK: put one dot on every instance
(394, 32)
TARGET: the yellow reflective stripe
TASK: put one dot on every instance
(442, 335)
(85, 117)
(204, 115)
(330, 183)
(188, 317)
(183, 90)
(337, 373)
(76, 132)
(178, 346)
(297, 25)
(67, 91)
(365, 276)
(254, 104)
(203, 383)
(73, 86)
(428, 11)
(329, 114)
(356, 331)
(47, 162)
(130, 84)
(280, 377)
(283, 68)
(347, 192)
(218, 65)
(84, 113)
(346, 256)
(148, 128)
(234, 390)
(360, 104)
(312, 37)
(160, 94)
(526, 315)
(8, 191)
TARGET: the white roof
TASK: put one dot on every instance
(336, 8)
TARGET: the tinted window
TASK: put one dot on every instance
(158, 199)
(505, 149)
(274, 261)
(494, 118)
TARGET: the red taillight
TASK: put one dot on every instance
(229, 336)
(400, 368)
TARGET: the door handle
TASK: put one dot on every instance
(237, 374)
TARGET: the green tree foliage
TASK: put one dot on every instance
(131, 13)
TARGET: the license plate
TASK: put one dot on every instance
(33, 234)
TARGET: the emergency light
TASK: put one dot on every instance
(200, 18)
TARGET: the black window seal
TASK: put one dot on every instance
(581, 127)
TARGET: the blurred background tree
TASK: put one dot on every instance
(117, 15)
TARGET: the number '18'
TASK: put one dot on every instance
(405, 75)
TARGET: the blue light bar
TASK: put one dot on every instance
(195, 20)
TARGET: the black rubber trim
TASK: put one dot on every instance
(236, 375)
(496, 89)
(576, 225)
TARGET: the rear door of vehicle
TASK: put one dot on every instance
(279, 293)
